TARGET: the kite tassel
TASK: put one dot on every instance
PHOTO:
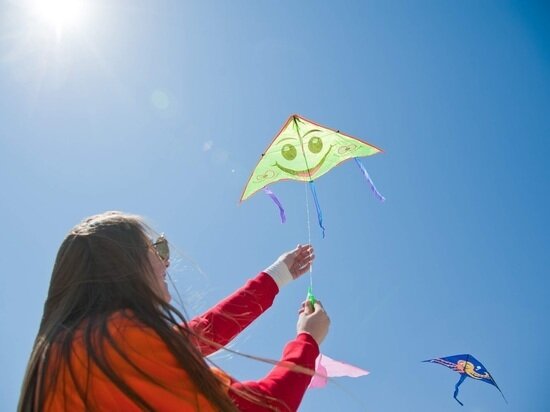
(277, 202)
(455, 394)
(369, 180)
(317, 206)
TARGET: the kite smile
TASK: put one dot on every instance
(307, 173)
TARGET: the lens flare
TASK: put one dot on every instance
(60, 13)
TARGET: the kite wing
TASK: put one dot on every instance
(468, 367)
(326, 367)
(303, 150)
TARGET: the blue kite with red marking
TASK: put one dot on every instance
(468, 367)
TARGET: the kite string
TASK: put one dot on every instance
(309, 238)
(310, 295)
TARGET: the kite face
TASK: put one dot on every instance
(304, 151)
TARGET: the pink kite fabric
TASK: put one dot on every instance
(326, 367)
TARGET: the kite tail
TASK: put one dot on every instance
(277, 202)
(369, 180)
(317, 206)
(455, 394)
(503, 397)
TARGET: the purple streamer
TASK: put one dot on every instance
(277, 202)
(369, 180)
(317, 206)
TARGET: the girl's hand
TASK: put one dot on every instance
(291, 265)
(314, 320)
(299, 260)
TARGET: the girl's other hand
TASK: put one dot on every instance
(314, 320)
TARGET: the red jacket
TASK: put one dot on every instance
(176, 392)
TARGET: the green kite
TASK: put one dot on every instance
(304, 150)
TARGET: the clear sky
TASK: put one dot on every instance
(162, 108)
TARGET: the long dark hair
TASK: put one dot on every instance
(102, 268)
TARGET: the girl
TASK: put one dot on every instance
(109, 339)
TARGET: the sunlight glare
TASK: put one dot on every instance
(60, 13)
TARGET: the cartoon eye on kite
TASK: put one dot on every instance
(342, 150)
(289, 152)
(315, 145)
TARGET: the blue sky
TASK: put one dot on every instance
(162, 108)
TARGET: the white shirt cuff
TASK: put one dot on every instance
(280, 273)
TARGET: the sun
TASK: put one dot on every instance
(60, 14)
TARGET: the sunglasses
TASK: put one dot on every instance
(161, 247)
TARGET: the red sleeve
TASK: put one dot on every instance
(233, 314)
(283, 384)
